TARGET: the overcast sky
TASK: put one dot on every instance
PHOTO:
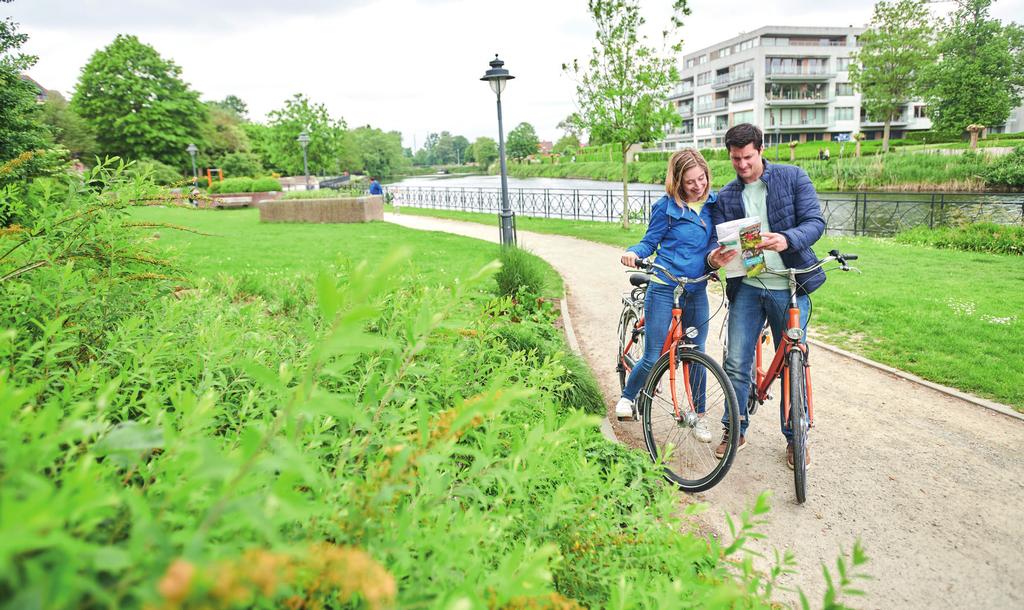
(400, 65)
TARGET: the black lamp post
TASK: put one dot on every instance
(496, 78)
(303, 139)
(192, 150)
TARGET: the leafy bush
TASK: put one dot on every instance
(17, 176)
(232, 185)
(1007, 170)
(260, 185)
(240, 164)
(978, 237)
(157, 172)
(521, 275)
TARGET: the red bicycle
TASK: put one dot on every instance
(791, 364)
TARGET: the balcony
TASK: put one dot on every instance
(803, 125)
(681, 91)
(685, 111)
(799, 101)
(900, 120)
(723, 81)
(799, 75)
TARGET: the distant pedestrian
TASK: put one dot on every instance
(828, 154)
(375, 187)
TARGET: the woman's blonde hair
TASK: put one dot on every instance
(681, 161)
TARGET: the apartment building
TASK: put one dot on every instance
(793, 82)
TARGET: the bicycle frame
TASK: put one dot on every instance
(764, 378)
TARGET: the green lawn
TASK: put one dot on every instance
(952, 317)
(238, 245)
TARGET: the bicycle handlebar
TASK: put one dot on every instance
(833, 255)
(649, 265)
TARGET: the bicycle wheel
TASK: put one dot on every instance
(628, 332)
(799, 422)
(704, 397)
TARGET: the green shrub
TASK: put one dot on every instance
(233, 185)
(324, 193)
(977, 237)
(521, 275)
(1007, 170)
(260, 185)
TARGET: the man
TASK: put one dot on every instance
(791, 222)
(375, 187)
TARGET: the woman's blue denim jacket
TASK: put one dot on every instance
(681, 237)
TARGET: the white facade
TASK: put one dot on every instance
(792, 82)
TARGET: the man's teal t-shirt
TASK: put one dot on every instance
(755, 203)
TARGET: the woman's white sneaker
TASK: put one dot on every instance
(624, 409)
(702, 432)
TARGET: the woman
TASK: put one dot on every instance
(682, 235)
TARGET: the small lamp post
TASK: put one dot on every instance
(496, 78)
(303, 139)
(192, 150)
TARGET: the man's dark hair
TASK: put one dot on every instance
(740, 135)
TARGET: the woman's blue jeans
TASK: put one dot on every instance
(747, 312)
(657, 319)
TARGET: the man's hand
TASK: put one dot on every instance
(720, 257)
(629, 259)
(776, 242)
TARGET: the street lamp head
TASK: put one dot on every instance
(192, 150)
(497, 76)
(303, 139)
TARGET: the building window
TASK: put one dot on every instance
(703, 59)
(704, 78)
(691, 62)
(747, 116)
(920, 112)
(705, 122)
(741, 93)
(844, 113)
(844, 88)
(842, 64)
(809, 92)
(795, 117)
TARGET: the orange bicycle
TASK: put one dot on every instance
(791, 364)
(686, 393)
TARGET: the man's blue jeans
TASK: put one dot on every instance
(657, 319)
(747, 313)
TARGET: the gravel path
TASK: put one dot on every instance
(932, 485)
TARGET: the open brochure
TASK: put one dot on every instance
(744, 236)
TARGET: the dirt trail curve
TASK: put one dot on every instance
(932, 485)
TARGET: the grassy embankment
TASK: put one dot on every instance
(952, 317)
(899, 172)
(272, 423)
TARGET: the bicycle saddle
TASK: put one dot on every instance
(639, 279)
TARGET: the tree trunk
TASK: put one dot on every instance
(885, 135)
(792, 154)
(974, 139)
(625, 187)
(858, 147)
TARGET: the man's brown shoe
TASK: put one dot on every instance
(789, 456)
(724, 445)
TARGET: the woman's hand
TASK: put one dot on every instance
(629, 259)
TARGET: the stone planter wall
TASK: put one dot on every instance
(343, 209)
(238, 200)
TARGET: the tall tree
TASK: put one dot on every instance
(330, 149)
(20, 129)
(485, 151)
(566, 145)
(381, 152)
(138, 104)
(622, 90)
(522, 142)
(222, 133)
(894, 48)
(461, 146)
(443, 150)
(979, 77)
(234, 104)
(69, 130)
